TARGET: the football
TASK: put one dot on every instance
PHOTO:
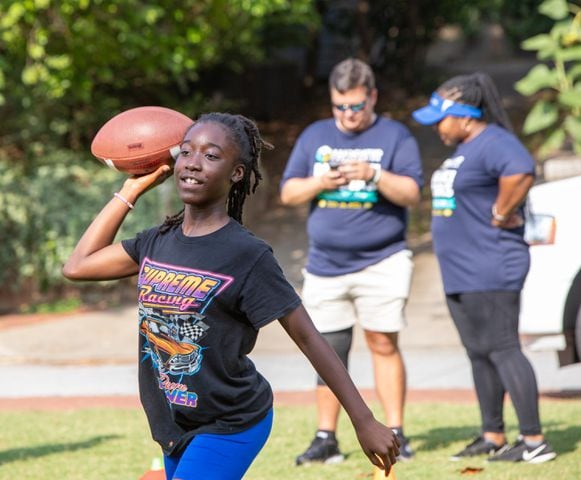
(139, 140)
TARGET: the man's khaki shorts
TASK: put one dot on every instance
(375, 296)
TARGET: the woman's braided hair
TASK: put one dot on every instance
(246, 135)
(477, 90)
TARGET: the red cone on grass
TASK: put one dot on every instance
(156, 472)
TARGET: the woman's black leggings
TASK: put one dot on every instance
(488, 326)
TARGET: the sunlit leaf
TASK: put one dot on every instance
(542, 115)
(571, 98)
(35, 51)
(539, 42)
(30, 75)
(569, 54)
(574, 72)
(553, 143)
(58, 62)
(573, 127)
(13, 15)
(555, 9)
(539, 77)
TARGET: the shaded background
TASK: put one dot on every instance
(67, 67)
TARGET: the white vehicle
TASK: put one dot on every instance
(551, 298)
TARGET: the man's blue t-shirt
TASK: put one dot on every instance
(354, 226)
(474, 255)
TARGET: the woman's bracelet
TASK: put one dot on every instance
(497, 216)
(124, 200)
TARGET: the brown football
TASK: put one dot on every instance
(139, 140)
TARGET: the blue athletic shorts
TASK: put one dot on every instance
(219, 457)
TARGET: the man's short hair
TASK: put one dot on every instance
(351, 73)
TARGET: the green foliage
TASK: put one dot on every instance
(63, 305)
(556, 85)
(520, 19)
(44, 213)
(68, 66)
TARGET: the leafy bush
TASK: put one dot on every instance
(44, 213)
(68, 66)
(557, 80)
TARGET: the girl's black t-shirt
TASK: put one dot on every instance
(201, 303)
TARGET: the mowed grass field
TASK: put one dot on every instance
(114, 444)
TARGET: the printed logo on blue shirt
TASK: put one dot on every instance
(442, 185)
(357, 193)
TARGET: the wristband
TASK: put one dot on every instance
(124, 200)
(376, 176)
(497, 216)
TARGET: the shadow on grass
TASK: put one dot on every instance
(436, 438)
(20, 454)
(564, 440)
(439, 438)
(562, 437)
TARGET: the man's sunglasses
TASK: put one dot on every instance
(354, 107)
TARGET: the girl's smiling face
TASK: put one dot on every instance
(208, 165)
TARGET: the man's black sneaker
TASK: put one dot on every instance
(324, 448)
(405, 451)
(479, 446)
(519, 451)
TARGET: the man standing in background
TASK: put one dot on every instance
(360, 172)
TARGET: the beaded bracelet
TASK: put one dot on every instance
(124, 200)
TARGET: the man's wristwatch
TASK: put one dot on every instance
(376, 176)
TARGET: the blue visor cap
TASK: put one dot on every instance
(440, 108)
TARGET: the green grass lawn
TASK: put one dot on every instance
(109, 444)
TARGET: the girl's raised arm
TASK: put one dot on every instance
(95, 256)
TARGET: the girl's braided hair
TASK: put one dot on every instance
(246, 135)
(477, 90)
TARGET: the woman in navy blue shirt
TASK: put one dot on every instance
(477, 228)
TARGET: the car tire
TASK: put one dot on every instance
(572, 324)
(578, 332)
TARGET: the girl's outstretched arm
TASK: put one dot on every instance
(95, 256)
(378, 442)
